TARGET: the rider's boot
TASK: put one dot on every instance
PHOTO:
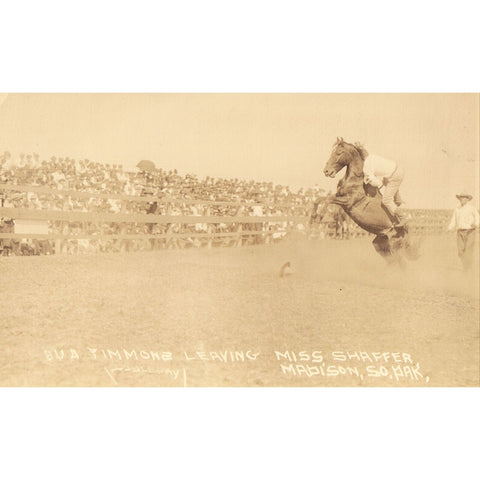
(401, 220)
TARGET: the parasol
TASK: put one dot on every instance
(146, 165)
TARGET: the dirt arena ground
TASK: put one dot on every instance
(225, 317)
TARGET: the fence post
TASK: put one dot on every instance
(238, 242)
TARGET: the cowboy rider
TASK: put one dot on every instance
(387, 176)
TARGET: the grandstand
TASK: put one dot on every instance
(68, 206)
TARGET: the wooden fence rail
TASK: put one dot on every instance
(73, 216)
(423, 222)
(429, 222)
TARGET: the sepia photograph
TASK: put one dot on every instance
(239, 240)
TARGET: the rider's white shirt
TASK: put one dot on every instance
(376, 168)
(464, 218)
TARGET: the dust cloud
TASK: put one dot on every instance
(355, 261)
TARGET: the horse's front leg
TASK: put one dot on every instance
(341, 200)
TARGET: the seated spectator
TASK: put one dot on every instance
(65, 174)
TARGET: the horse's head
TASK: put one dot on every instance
(342, 155)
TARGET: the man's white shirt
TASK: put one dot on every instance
(464, 218)
(376, 168)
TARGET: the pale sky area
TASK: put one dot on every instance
(283, 138)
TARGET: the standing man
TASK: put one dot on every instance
(464, 220)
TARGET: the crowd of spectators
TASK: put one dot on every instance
(175, 194)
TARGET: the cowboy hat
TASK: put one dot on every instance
(464, 195)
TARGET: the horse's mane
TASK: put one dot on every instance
(361, 150)
(357, 146)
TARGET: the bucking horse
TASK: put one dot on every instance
(363, 204)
